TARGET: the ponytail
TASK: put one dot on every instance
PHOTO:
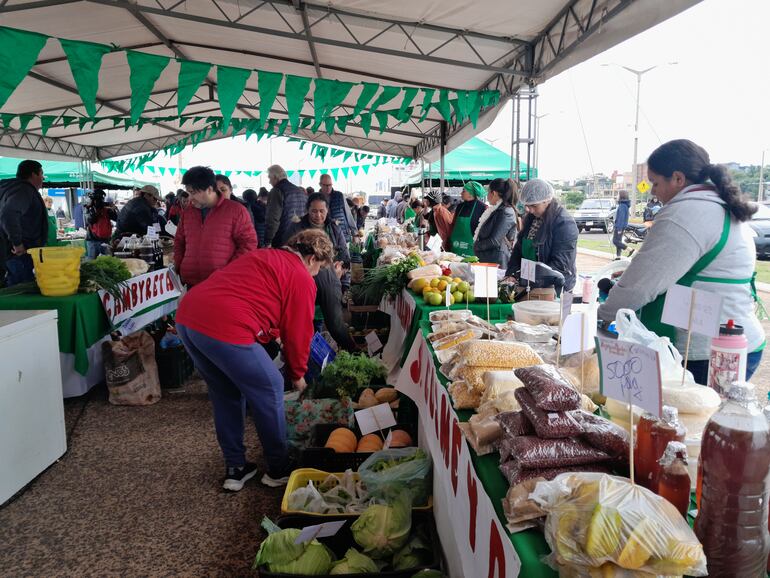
(693, 162)
(730, 193)
(507, 190)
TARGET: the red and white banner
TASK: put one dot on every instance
(476, 544)
(401, 311)
(140, 293)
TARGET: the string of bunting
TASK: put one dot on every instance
(19, 50)
(115, 167)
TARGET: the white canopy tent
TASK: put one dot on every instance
(506, 45)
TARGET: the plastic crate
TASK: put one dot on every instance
(342, 540)
(326, 459)
(300, 478)
(174, 366)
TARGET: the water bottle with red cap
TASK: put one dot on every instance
(727, 362)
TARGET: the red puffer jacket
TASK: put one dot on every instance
(203, 246)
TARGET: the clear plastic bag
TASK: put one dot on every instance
(450, 315)
(501, 354)
(547, 424)
(516, 474)
(334, 495)
(498, 382)
(514, 423)
(454, 339)
(388, 472)
(478, 447)
(536, 453)
(602, 434)
(594, 519)
(515, 331)
(548, 388)
(486, 429)
(463, 395)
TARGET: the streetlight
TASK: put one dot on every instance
(639, 74)
(537, 139)
(761, 190)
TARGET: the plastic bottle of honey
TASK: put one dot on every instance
(735, 456)
(643, 458)
(674, 483)
(663, 431)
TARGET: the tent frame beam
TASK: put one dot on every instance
(55, 146)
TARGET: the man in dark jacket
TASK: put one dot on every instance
(332, 281)
(139, 213)
(621, 222)
(23, 222)
(285, 206)
(549, 234)
(338, 207)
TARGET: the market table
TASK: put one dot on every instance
(83, 325)
(408, 310)
(470, 519)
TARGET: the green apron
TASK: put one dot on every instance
(528, 250)
(409, 214)
(651, 314)
(461, 241)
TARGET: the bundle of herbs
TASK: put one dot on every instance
(388, 280)
(104, 272)
(346, 375)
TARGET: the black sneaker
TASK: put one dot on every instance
(236, 477)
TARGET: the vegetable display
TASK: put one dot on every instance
(354, 563)
(280, 554)
(383, 529)
(104, 272)
(347, 374)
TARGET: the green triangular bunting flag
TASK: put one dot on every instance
(24, 120)
(18, 54)
(230, 84)
(191, 75)
(85, 60)
(388, 93)
(145, 71)
(367, 93)
(366, 168)
(327, 96)
(426, 102)
(172, 170)
(162, 170)
(345, 171)
(46, 120)
(269, 83)
(335, 173)
(355, 169)
(296, 90)
(409, 94)
(443, 105)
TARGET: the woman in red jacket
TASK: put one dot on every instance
(224, 323)
(212, 232)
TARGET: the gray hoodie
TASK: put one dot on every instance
(685, 229)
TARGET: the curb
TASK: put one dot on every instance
(761, 287)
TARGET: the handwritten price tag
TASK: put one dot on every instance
(375, 418)
(310, 533)
(706, 310)
(630, 373)
(528, 270)
(373, 343)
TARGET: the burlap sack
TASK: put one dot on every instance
(131, 370)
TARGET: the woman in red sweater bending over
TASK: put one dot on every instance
(224, 323)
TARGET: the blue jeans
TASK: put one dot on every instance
(700, 368)
(93, 249)
(235, 373)
(19, 270)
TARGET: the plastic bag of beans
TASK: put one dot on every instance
(534, 453)
(603, 434)
(547, 424)
(548, 388)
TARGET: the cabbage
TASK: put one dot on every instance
(382, 530)
(428, 574)
(415, 553)
(279, 552)
(354, 563)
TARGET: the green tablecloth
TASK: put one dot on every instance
(530, 545)
(82, 321)
(499, 311)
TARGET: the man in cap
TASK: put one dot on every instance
(139, 213)
(548, 235)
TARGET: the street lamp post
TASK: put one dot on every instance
(634, 170)
(761, 190)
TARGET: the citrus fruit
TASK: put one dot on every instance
(463, 286)
(434, 282)
(419, 284)
(441, 285)
(458, 296)
(435, 298)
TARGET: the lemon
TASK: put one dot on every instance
(434, 282)
(441, 285)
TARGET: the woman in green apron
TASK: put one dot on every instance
(466, 219)
(548, 234)
(700, 239)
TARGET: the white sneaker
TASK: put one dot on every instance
(235, 478)
(274, 482)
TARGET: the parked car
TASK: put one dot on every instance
(596, 214)
(760, 226)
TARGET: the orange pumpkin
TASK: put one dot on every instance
(370, 443)
(342, 440)
(400, 439)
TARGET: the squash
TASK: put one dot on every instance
(400, 439)
(370, 443)
(367, 398)
(342, 440)
(386, 394)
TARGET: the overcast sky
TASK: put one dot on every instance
(717, 95)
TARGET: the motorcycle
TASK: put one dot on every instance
(635, 234)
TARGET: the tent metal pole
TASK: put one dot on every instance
(422, 176)
(443, 152)
(513, 140)
(518, 135)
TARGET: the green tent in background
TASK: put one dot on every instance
(476, 160)
(68, 174)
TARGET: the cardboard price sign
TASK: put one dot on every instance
(485, 281)
(528, 270)
(375, 418)
(693, 310)
(630, 373)
(373, 343)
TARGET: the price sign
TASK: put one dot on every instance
(528, 270)
(375, 418)
(310, 533)
(630, 373)
(485, 281)
(706, 310)
(578, 331)
(171, 228)
(566, 304)
(152, 232)
(373, 343)
(434, 244)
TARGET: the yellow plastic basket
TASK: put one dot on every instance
(299, 479)
(57, 269)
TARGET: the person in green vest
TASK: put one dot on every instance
(53, 225)
(466, 219)
(700, 239)
(548, 233)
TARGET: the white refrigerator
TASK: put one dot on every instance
(32, 434)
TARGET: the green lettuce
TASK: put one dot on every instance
(382, 530)
(280, 554)
(354, 563)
